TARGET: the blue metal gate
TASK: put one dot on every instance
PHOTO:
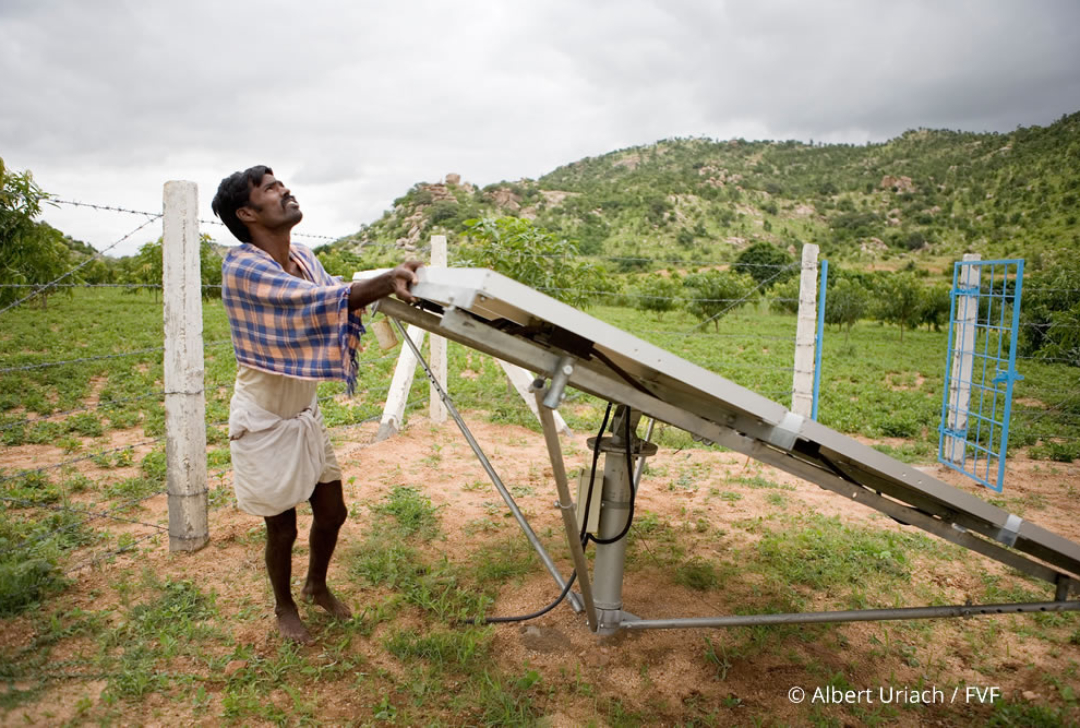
(981, 368)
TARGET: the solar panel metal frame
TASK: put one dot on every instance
(497, 315)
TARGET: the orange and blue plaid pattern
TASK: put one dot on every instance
(299, 327)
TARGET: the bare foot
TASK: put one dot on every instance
(331, 604)
(292, 628)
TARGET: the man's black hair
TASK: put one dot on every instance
(233, 193)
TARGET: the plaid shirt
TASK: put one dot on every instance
(299, 327)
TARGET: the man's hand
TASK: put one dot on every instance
(404, 276)
(394, 282)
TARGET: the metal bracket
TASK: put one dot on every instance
(1008, 533)
(951, 432)
(1007, 375)
(787, 432)
(559, 379)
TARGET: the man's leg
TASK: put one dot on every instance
(328, 509)
(280, 535)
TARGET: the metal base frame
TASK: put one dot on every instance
(848, 478)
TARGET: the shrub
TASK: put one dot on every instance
(717, 293)
(765, 263)
(529, 254)
(657, 293)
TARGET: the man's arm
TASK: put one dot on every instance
(396, 282)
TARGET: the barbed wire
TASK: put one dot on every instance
(108, 554)
(109, 208)
(101, 557)
(761, 284)
(81, 360)
(773, 393)
(76, 269)
(84, 458)
(720, 364)
(104, 404)
(716, 335)
(294, 234)
(90, 516)
(642, 259)
(85, 285)
(46, 365)
(618, 294)
(115, 208)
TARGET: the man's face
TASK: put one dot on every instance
(271, 205)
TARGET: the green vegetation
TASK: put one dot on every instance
(684, 232)
(926, 195)
(824, 553)
(526, 253)
(34, 252)
(717, 293)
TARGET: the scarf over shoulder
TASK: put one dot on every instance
(299, 327)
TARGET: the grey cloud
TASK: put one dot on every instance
(357, 101)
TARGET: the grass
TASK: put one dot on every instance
(163, 642)
(824, 553)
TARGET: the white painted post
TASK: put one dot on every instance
(436, 408)
(185, 400)
(522, 380)
(802, 381)
(398, 396)
(963, 359)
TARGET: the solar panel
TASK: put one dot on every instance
(497, 315)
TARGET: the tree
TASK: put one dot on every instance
(765, 263)
(657, 293)
(528, 254)
(33, 252)
(785, 297)
(1050, 310)
(846, 302)
(716, 293)
(900, 301)
(147, 267)
(339, 262)
(937, 302)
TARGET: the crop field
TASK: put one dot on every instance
(100, 624)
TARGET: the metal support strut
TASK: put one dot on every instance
(566, 505)
(534, 541)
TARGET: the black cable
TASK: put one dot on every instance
(584, 538)
(526, 617)
(621, 372)
(844, 476)
(633, 492)
(584, 535)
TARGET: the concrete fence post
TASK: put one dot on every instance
(398, 396)
(802, 381)
(437, 344)
(185, 399)
(963, 358)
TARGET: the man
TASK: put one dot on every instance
(292, 325)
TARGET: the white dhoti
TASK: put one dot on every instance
(280, 447)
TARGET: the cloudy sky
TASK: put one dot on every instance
(352, 103)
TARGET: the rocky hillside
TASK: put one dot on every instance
(930, 194)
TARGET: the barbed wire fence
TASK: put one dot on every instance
(71, 463)
(910, 369)
(48, 507)
(761, 358)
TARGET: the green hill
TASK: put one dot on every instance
(927, 194)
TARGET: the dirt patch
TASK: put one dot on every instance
(694, 506)
(904, 381)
